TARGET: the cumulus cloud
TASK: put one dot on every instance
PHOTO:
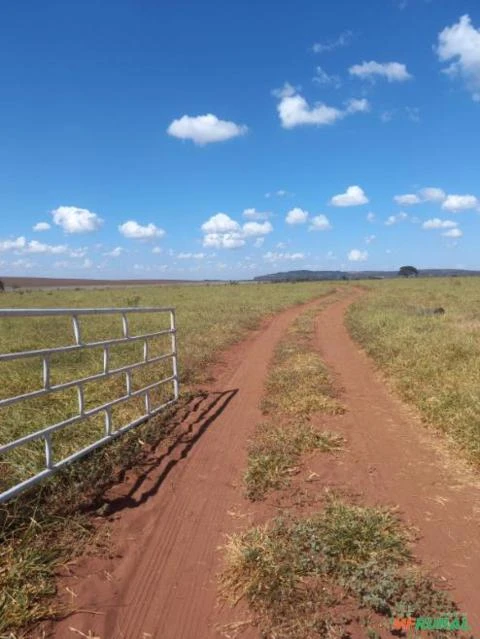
(135, 231)
(296, 216)
(394, 219)
(220, 223)
(353, 196)
(453, 233)
(370, 217)
(204, 129)
(356, 255)
(330, 45)
(456, 203)
(223, 240)
(254, 229)
(407, 199)
(432, 194)
(460, 44)
(294, 110)
(437, 223)
(75, 220)
(221, 231)
(38, 247)
(391, 71)
(370, 238)
(320, 223)
(41, 226)
(11, 245)
(253, 214)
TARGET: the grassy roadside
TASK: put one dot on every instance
(297, 387)
(47, 527)
(431, 360)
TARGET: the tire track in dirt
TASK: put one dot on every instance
(163, 585)
(391, 458)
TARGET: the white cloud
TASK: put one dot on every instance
(253, 214)
(135, 231)
(204, 129)
(407, 199)
(432, 194)
(355, 255)
(370, 238)
(320, 223)
(296, 216)
(355, 105)
(87, 263)
(392, 71)
(41, 226)
(279, 193)
(393, 219)
(223, 240)
(456, 203)
(370, 217)
(75, 220)
(38, 247)
(276, 257)
(116, 252)
(254, 229)
(157, 250)
(453, 233)
(11, 245)
(460, 44)
(353, 196)
(330, 45)
(294, 110)
(220, 223)
(221, 231)
(322, 77)
(437, 223)
(259, 242)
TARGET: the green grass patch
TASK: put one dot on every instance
(275, 452)
(293, 571)
(432, 360)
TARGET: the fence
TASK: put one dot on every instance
(44, 356)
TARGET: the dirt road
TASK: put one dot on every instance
(391, 458)
(170, 522)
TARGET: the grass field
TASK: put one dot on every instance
(433, 361)
(43, 528)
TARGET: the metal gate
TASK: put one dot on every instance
(43, 357)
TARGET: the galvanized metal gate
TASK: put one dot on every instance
(44, 357)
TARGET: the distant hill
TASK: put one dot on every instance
(307, 276)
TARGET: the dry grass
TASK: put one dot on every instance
(297, 387)
(48, 525)
(432, 360)
(297, 574)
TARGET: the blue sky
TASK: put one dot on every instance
(203, 140)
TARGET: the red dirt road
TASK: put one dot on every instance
(170, 522)
(392, 459)
(169, 528)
